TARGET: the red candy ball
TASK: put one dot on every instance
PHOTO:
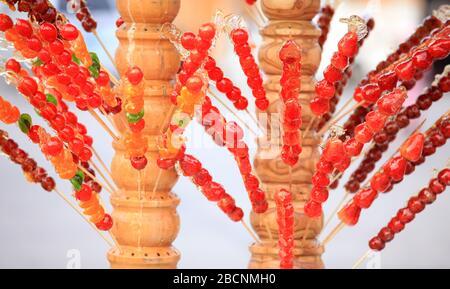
(395, 168)
(69, 32)
(239, 36)
(190, 165)
(5, 22)
(105, 224)
(325, 89)
(348, 45)
(313, 209)
(135, 75)
(365, 197)
(444, 177)
(84, 194)
(376, 244)
(139, 163)
(189, 40)
(13, 65)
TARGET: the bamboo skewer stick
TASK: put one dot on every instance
(65, 199)
(96, 179)
(114, 189)
(167, 119)
(103, 124)
(108, 117)
(338, 118)
(156, 183)
(338, 207)
(102, 44)
(310, 125)
(333, 233)
(259, 12)
(252, 234)
(255, 120)
(102, 163)
(253, 16)
(115, 241)
(361, 260)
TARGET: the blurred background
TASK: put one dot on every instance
(40, 231)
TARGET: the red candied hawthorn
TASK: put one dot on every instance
(365, 197)
(380, 182)
(395, 168)
(363, 134)
(413, 147)
(348, 45)
(313, 209)
(319, 106)
(290, 55)
(350, 214)
(391, 103)
(248, 64)
(405, 70)
(334, 151)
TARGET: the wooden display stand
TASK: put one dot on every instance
(146, 224)
(288, 19)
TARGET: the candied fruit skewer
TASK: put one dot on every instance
(393, 171)
(422, 31)
(388, 105)
(62, 31)
(133, 102)
(230, 135)
(290, 82)
(326, 14)
(35, 174)
(31, 170)
(347, 48)
(285, 220)
(62, 160)
(415, 205)
(408, 66)
(383, 138)
(214, 192)
(225, 85)
(239, 37)
(83, 14)
(340, 85)
(52, 108)
(338, 154)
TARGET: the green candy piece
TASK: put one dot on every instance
(37, 62)
(77, 180)
(95, 59)
(134, 118)
(25, 123)
(95, 72)
(51, 99)
(76, 59)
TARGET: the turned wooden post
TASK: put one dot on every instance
(145, 227)
(288, 19)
